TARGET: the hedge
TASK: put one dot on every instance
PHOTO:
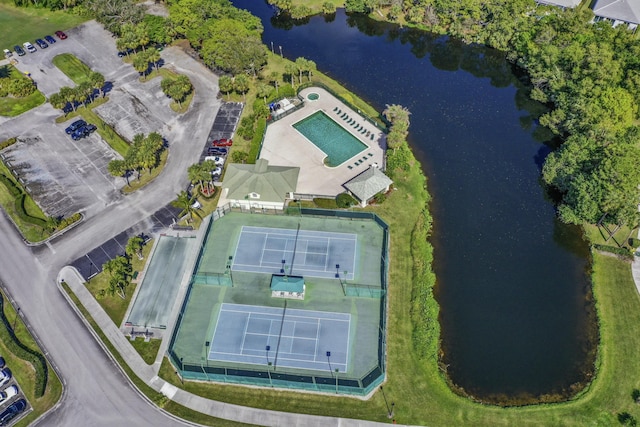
(11, 186)
(256, 142)
(22, 212)
(23, 352)
(69, 220)
(625, 253)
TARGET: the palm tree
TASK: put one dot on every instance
(397, 114)
(119, 270)
(84, 91)
(195, 173)
(141, 63)
(274, 77)
(264, 90)
(225, 83)
(241, 84)
(311, 68)
(134, 246)
(186, 203)
(69, 95)
(301, 64)
(122, 45)
(155, 141)
(142, 35)
(118, 168)
(290, 69)
(153, 55)
(58, 101)
(97, 81)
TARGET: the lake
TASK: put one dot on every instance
(517, 320)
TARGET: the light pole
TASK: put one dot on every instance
(269, 373)
(281, 51)
(272, 47)
(337, 371)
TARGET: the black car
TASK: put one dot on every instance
(90, 128)
(43, 44)
(10, 413)
(216, 151)
(83, 131)
(19, 50)
(75, 126)
(50, 39)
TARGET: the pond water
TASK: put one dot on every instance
(516, 314)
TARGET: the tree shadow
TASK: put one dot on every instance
(5, 71)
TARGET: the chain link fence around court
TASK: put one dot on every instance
(267, 376)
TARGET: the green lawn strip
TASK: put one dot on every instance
(24, 372)
(147, 350)
(145, 176)
(29, 231)
(184, 106)
(115, 141)
(21, 24)
(209, 204)
(11, 106)
(157, 398)
(113, 305)
(75, 69)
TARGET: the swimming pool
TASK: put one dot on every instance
(338, 144)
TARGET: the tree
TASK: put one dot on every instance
(142, 35)
(397, 114)
(134, 246)
(141, 63)
(58, 101)
(274, 77)
(119, 270)
(264, 90)
(225, 83)
(118, 168)
(301, 65)
(84, 91)
(233, 48)
(153, 55)
(186, 203)
(291, 70)
(69, 95)
(241, 84)
(97, 81)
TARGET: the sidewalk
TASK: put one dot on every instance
(214, 408)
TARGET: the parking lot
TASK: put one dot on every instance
(66, 176)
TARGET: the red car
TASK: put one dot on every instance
(222, 142)
(61, 35)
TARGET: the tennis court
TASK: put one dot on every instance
(299, 252)
(303, 339)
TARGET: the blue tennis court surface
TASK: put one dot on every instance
(295, 252)
(285, 337)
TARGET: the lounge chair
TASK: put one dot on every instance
(372, 135)
(370, 154)
(335, 109)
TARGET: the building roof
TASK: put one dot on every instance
(621, 10)
(268, 183)
(287, 283)
(368, 183)
(560, 3)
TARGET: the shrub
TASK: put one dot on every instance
(260, 109)
(239, 156)
(22, 212)
(64, 223)
(11, 186)
(634, 243)
(345, 200)
(21, 351)
(22, 87)
(625, 253)
(286, 91)
(380, 198)
(398, 159)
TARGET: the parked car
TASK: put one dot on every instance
(29, 47)
(8, 393)
(61, 35)
(75, 126)
(7, 53)
(5, 376)
(10, 413)
(219, 161)
(2, 363)
(50, 39)
(19, 50)
(222, 142)
(216, 172)
(43, 44)
(90, 128)
(217, 151)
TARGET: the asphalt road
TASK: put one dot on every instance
(97, 394)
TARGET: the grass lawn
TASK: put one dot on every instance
(11, 106)
(31, 232)
(115, 141)
(19, 24)
(75, 69)
(145, 176)
(24, 373)
(148, 350)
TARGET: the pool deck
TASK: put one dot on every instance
(285, 146)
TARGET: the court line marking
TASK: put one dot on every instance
(345, 319)
(244, 335)
(340, 316)
(315, 351)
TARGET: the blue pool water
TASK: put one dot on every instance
(338, 144)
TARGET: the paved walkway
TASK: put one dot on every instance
(149, 375)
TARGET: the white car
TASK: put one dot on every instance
(216, 172)
(29, 47)
(5, 376)
(7, 53)
(219, 161)
(8, 393)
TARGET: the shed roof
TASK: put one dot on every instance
(271, 183)
(368, 183)
(621, 10)
(287, 283)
